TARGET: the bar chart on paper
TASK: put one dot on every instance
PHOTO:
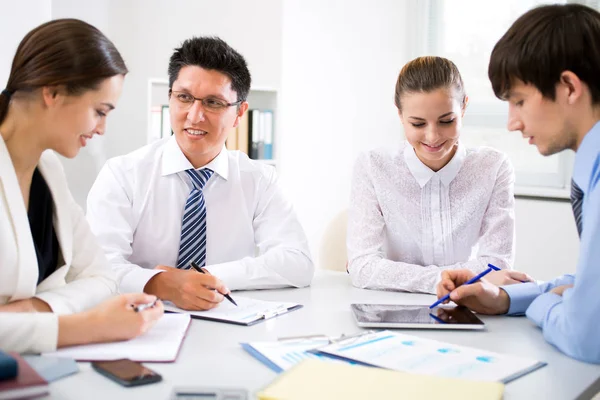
(408, 353)
(281, 356)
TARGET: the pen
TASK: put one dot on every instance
(197, 268)
(142, 307)
(472, 280)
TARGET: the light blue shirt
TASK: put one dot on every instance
(571, 321)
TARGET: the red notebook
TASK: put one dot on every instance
(27, 385)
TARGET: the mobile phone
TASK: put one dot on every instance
(126, 372)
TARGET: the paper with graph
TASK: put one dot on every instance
(282, 355)
(408, 353)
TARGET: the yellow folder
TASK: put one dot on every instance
(315, 380)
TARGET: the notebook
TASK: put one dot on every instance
(408, 353)
(52, 368)
(353, 382)
(248, 311)
(159, 344)
(27, 385)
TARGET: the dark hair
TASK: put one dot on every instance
(66, 52)
(212, 53)
(426, 74)
(544, 42)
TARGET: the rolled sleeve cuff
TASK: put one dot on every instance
(540, 307)
(232, 274)
(135, 280)
(56, 302)
(521, 296)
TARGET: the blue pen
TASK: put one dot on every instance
(472, 280)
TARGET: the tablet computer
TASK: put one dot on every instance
(415, 316)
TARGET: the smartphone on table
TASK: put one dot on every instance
(126, 372)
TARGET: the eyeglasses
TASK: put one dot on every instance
(211, 104)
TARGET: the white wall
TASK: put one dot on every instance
(340, 63)
(146, 32)
(336, 63)
(22, 17)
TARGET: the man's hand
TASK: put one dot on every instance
(482, 296)
(507, 277)
(187, 289)
(560, 289)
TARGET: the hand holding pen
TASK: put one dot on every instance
(202, 271)
(465, 288)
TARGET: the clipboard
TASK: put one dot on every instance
(248, 312)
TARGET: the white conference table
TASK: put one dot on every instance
(211, 354)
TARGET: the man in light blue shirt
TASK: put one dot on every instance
(547, 66)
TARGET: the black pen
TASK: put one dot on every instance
(197, 268)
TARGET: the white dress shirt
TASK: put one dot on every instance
(406, 222)
(254, 239)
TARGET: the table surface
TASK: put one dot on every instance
(211, 354)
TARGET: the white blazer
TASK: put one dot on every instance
(82, 278)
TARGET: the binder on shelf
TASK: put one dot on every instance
(261, 136)
(268, 141)
(254, 122)
(232, 139)
(165, 123)
(243, 133)
(156, 122)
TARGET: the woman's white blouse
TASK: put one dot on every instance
(407, 223)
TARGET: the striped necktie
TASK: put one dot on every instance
(192, 245)
(577, 204)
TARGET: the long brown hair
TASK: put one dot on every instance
(63, 52)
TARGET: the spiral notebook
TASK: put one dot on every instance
(248, 311)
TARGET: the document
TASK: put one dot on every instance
(248, 311)
(160, 344)
(282, 355)
(400, 352)
(319, 380)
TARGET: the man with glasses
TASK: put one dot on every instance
(186, 199)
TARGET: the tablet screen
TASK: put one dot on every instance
(413, 316)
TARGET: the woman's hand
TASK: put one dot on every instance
(113, 320)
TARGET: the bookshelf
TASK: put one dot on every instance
(261, 117)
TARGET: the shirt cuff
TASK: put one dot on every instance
(232, 274)
(136, 279)
(521, 296)
(540, 307)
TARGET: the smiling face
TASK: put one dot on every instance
(432, 122)
(201, 133)
(76, 119)
(541, 120)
